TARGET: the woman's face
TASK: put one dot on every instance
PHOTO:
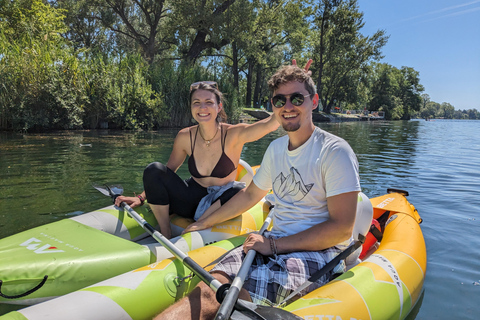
(204, 106)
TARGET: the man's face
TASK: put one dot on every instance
(293, 115)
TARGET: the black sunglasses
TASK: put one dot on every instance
(296, 99)
(209, 83)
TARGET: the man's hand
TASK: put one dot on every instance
(258, 243)
(131, 201)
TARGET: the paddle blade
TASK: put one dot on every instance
(102, 189)
(116, 189)
(109, 191)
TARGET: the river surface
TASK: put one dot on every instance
(47, 177)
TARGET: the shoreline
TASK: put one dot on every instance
(260, 114)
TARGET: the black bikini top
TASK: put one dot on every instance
(222, 169)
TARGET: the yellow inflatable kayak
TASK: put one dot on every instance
(386, 284)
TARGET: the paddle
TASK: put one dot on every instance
(231, 296)
(247, 309)
(206, 277)
(326, 268)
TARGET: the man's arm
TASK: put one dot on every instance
(338, 228)
(241, 202)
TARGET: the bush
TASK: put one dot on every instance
(119, 92)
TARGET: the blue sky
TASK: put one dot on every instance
(438, 38)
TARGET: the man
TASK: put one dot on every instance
(315, 182)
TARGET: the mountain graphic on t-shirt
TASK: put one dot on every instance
(291, 186)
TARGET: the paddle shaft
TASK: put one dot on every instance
(187, 261)
(231, 297)
(248, 309)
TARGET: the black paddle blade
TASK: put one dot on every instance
(249, 310)
(109, 191)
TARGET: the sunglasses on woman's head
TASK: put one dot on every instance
(296, 99)
(209, 83)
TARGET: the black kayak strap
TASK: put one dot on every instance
(6, 296)
(376, 233)
(326, 268)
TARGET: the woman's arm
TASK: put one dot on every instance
(179, 151)
(241, 202)
(177, 157)
(252, 132)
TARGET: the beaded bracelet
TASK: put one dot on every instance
(273, 246)
(142, 200)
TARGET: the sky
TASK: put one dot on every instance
(438, 38)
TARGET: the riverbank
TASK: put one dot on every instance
(251, 114)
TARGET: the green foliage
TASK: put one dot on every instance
(30, 19)
(118, 91)
(435, 110)
(129, 64)
(40, 79)
(340, 52)
(175, 80)
(395, 91)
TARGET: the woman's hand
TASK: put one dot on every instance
(131, 201)
(258, 243)
(196, 226)
(307, 66)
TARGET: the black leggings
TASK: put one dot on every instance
(165, 187)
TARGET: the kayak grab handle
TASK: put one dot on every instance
(25, 293)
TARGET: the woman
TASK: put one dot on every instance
(214, 150)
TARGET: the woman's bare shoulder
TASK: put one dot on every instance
(183, 136)
(186, 131)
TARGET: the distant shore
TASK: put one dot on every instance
(251, 114)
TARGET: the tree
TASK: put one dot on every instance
(202, 25)
(143, 21)
(263, 32)
(392, 88)
(430, 110)
(340, 51)
(410, 90)
(85, 29)
(425, 100)
(40, 76)
(446, 111)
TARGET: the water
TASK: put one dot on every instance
(47, 177)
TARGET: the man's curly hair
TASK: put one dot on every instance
(291, 73)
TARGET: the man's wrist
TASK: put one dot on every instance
(273, 246)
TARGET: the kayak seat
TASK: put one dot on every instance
(361, 227)
(363, 221)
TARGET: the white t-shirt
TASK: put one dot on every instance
(302, 179)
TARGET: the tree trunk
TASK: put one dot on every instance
(258, 86)
(248, 95)
(236, 82)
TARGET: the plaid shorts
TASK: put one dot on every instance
(270, 280)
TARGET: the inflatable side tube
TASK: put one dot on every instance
(70, 255)
(139, 294)
(115, 221)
